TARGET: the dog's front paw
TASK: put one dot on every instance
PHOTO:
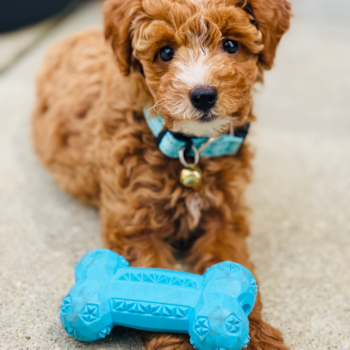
(162, 341)
(264, 337)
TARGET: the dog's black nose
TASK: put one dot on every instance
(204, 97)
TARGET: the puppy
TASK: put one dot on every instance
(194, 62)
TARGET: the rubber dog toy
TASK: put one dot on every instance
(212, 308)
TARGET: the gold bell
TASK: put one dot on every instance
(191, 177)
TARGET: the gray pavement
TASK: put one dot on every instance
(300, 196)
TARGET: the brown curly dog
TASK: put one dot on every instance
(90, 131)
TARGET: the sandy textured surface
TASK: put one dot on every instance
(300, 196)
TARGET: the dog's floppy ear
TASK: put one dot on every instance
(118, 16)
(272, 18)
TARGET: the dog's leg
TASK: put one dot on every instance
(139, 238)
(262, 335)
(142, 244)
(224, 238)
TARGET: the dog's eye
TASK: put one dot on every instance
(230, 46)
(166, 54)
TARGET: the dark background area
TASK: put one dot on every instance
(16, 14)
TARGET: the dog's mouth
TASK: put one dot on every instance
(206, 118)
(208, 125)
(209, 117)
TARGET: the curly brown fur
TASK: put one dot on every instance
(166, 341)
(89, 129)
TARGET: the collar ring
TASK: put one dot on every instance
(183, 160)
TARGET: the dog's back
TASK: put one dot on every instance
(73, 84)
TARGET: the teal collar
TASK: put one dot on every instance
(171, 143)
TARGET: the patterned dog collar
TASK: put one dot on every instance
(172, 144)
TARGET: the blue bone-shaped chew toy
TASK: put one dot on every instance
(212, 308)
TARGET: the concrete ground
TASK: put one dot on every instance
(300, 196)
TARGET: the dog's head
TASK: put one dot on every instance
(200, 58)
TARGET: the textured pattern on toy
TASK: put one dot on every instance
(212, 308)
